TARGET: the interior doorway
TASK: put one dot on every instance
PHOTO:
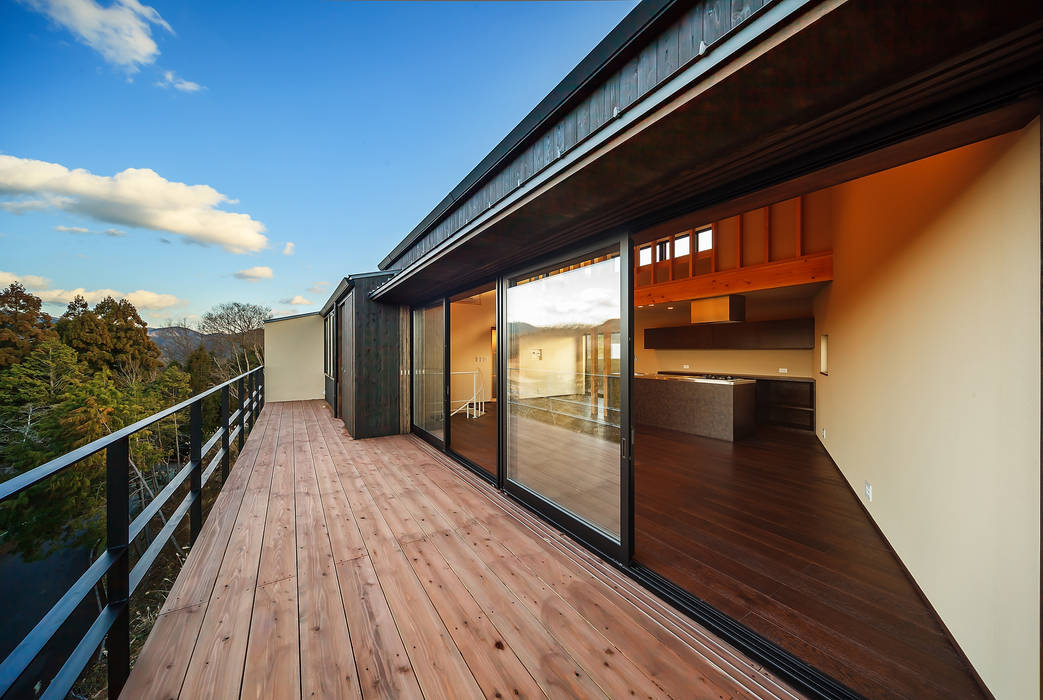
(473, 408)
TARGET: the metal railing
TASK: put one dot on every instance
(474, 405)
(113, 622)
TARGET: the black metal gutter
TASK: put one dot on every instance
(616, 48)
(290, 318)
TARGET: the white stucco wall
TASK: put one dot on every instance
(293, 359)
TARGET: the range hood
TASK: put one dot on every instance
(727, 309)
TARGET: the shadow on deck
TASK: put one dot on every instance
(331, 567)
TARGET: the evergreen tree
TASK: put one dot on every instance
(22, 324)
(134, 355)
(29, 391)
(201, 369)
(86, 333)
(66, 509)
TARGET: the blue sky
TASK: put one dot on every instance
(159, 149)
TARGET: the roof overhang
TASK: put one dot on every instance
(347, 284)
(289, 318)
(620, 43)
(789, 94)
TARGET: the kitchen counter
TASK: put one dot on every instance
(769, 377)
(725, 410)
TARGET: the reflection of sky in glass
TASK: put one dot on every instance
(588, 296)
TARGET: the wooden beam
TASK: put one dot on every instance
(738, 243)
(798, 232)
(785, 273)
(767, 234)
(713, 247)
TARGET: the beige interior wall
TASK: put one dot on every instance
(470, 345)
(933, 393)
(293, 359)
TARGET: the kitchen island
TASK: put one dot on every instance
(724, 409)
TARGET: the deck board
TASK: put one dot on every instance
(333, 567)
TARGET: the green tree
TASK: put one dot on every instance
(29, 392)
(201, 370)
(134, 355)
(22, 324)
(65, 509)
(86, 333)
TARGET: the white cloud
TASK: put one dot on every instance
(137, 197)
(318, 287)
(260, 272)
(29, 281)
(120, 32)
(40, 286)
(171, 80)
(288, 250)
(113, 232)
(296, 301)
(23, 206)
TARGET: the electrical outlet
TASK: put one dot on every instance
(783, 370)
(685, 366)
(823, 433)
(869, 492)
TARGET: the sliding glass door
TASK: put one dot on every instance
(428, 370)
(566, 394)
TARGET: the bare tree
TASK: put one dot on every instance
(239, 326)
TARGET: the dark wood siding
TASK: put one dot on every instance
(370, 358)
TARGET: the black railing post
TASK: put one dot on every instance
(242, 413)
(253, 407)
(225, 458)
(117, 522)
(195, 513)
(260, 389)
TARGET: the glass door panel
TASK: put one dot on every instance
(563, 402)
(428, 370)
(473, 429)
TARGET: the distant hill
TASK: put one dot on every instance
(177, 343)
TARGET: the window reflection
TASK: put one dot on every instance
(563, 410)
(472, 381)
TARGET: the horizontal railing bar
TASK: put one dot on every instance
(209, 444)
(149, 557)
(234, 434)
(212, 466)
(29, 648)
(160, 500)
(64, 680)
(235, 416)
(14, 486)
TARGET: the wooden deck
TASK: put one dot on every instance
(331, 567)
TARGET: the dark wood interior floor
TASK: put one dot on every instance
(475, 438)
(767, 531)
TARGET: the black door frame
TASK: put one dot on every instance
(620, 552)
(413, 427)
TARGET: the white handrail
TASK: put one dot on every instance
(474, 406)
